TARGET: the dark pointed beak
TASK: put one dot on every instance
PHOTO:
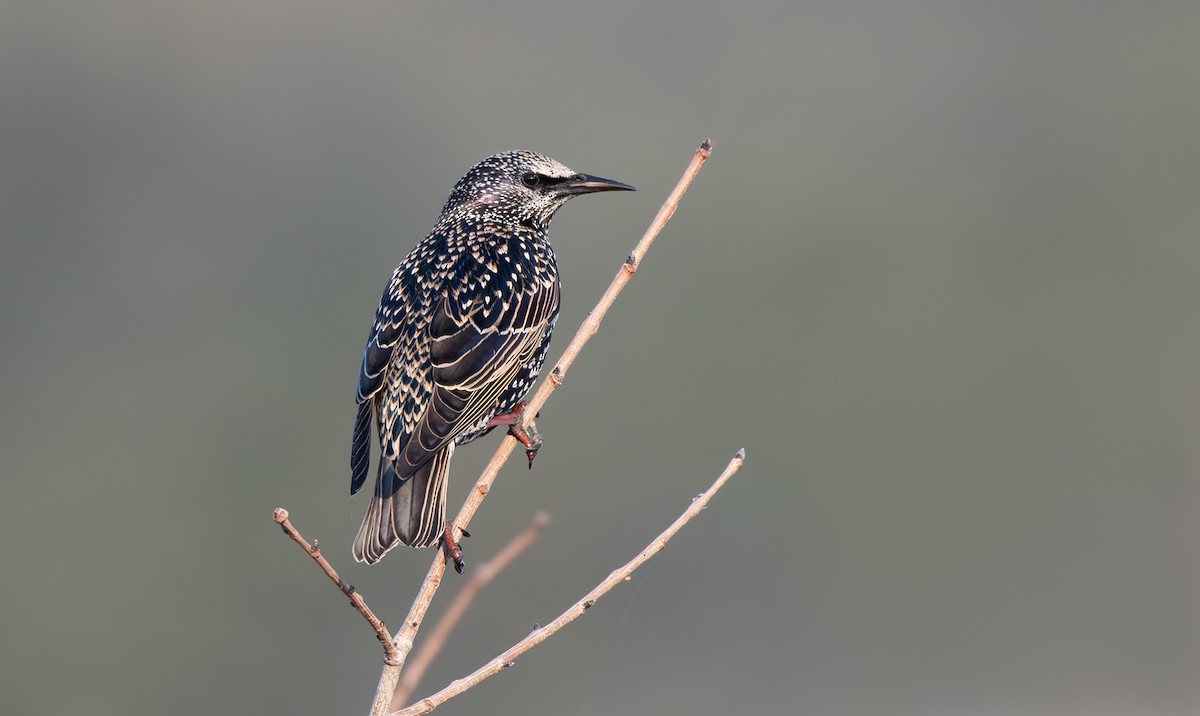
(586, 184)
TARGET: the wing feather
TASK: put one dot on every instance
(482, 334)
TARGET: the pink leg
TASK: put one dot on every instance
(529, 437)
(453, 551)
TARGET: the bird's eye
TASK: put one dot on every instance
(530, 179)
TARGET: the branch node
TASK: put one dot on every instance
(589, 604)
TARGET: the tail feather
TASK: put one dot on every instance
(409, 511)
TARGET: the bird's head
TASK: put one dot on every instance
(523, 187)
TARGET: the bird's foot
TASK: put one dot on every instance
(528, 436)
(453, 551)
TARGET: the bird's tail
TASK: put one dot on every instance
(409, 511)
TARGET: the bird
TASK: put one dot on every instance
(459, 337)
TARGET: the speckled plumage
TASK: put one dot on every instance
(459, 337)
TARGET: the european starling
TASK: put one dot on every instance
(459, 337)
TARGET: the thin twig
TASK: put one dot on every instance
(481, 576)
(391, 654)
(508, 658)
(403, 640)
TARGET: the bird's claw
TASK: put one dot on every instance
(453, 552)
(528, 436)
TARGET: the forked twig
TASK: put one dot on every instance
(508, 658)
(481, 576)
(404, 638)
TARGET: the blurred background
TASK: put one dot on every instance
(939, 279)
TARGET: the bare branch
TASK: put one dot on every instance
(404, 638)
(481, 576)
(391, 654)
(508, 658)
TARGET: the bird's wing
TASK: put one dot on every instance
(483, 329)
(386, 332)
(392, 324)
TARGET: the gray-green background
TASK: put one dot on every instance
(940, 279)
